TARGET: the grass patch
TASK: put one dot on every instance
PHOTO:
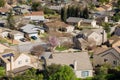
(2, 71)
(3, 40)
(61, 48)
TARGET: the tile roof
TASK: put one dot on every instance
(36, 13)
(114, 39)
(4, 10)
(3, 48)
(29, 28)
(73, 19)
(13, 32)
(20, 69)
(56, 24)
(82, 58)
(99, 50)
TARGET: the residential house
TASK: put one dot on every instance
(16, 63)
(32, 30)
(17, 10)
(96, 36)
(81, 22)
(37, 16)
(4, 32)
(5, 49)
(56, 7)
(16, 35)
(107, 7)
(79, 61)
(109, 56)
(114, 41)
(80, 43)
(4, 11)
(74, 21)
(117, 31)
(58, 26)
(3, 23)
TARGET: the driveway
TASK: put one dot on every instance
(26, 46)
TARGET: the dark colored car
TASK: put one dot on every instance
(34, 37)
(23, 39)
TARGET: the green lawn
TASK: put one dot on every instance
(61, 48)
(2, 72)
(2, 40)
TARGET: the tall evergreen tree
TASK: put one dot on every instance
(86, 13)
(64, 14)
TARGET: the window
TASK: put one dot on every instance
(19, 62)
(115, 62)
(26, 60)
(105, 60)
(85, 73)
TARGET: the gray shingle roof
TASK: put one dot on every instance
(82, 58)
(29, 28)
(74, 19)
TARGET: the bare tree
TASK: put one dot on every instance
(37, 51)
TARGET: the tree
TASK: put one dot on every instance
(29, 75)
(86, 13)
(48, 11)
(103, 1)
(2, 3)
(53, 41)
(11, 21)
(36, 6)
(58, 72)
(116, 17)
(37, 51)
(64, 14)
(106, 26)
(10, 2)
(118, 4)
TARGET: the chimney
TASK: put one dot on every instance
(11, 63)
(106, 19)
(75, 65)
(93, 23)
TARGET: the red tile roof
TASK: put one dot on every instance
(36, 13)
(4, 10)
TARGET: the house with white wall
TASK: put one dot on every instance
(32, 30)
(81, 22)
(58, 26)
(110, 56)
(98, 35)
(37, 16)
(79, 61)
(16, 63)
(16, 35)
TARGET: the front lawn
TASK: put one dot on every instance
(3, 40)
(2, 71)
(61, 48)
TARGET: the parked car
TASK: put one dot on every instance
(23, 39)
(33, 37)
